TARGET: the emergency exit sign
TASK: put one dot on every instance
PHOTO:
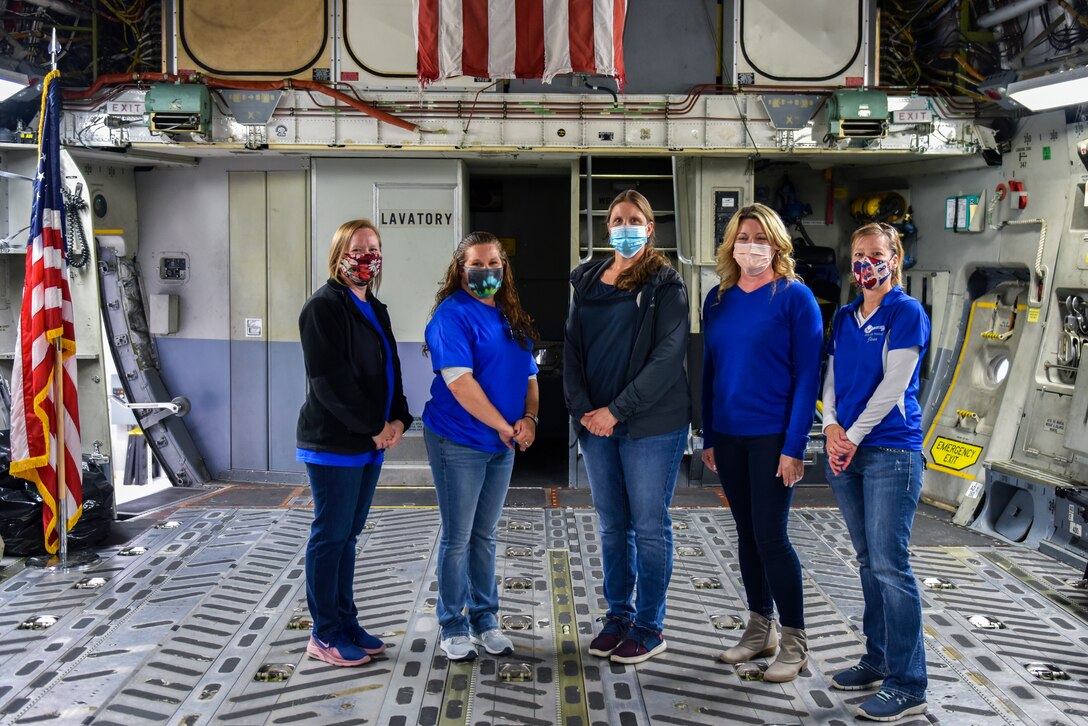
(912, 116)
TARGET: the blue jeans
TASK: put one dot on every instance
(342, 497)
(471, 487)
(632, 481)
(878, 495)
(760, 506)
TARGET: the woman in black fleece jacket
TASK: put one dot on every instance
(354, 410)
(627, 393)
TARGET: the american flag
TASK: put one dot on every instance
(518, 38)
(45, 317)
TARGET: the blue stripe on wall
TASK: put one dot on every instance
(249, 423)
(200, 370)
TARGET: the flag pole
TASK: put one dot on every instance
(62, 437)
(58, 420)
(58, 400)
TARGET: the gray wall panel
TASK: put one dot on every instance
(200, 371)
(248, 405)
(286, 392)
(414, 366)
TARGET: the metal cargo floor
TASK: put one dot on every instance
(178, 633)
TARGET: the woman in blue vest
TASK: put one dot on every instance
(354, 410)
(873, 428)
(762, 345)
(484, 404)
(627, 393)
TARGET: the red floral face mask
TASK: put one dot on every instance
(361, 269)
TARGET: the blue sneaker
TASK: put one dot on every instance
(856, 678)
(370, 644)
(888, 706)
(339, 651)
(641, 644)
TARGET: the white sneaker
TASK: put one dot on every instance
(458, 648)
(494, 642)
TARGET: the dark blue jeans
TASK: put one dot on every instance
(632, 481)
(760, 505)
(471, 487)
(342, 497)
(878, 495)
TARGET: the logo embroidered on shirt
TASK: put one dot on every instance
(873, 333)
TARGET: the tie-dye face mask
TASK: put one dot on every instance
(483, 281)
(871, 272)
(360, 269)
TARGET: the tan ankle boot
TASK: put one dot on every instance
(792, 658)
(759, 640)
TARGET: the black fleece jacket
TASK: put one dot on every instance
(655, 398)
(346, 387)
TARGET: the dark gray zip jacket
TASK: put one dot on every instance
(655, 398)
(346, 388)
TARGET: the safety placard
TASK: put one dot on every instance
(955, 455)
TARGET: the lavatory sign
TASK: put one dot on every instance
(415, 218)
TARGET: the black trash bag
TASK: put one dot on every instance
(21, 508)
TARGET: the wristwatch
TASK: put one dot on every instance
(532, 417)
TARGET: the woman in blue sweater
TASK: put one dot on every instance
(873, 429)
(761, 375)
(484, 403)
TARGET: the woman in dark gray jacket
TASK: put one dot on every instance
(354, 410)
(627, 392)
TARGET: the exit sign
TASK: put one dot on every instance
(912, 116)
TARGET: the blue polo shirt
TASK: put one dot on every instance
(860, 354)
(466, 333)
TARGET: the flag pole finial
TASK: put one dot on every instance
(53, 50)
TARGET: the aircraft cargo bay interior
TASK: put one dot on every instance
(543, 362)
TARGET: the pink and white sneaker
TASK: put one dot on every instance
(339, 651)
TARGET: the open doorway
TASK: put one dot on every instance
(529, 209)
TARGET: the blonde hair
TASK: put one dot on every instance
(341, 239)
(891, 238)
(651, 259)
(782, 262)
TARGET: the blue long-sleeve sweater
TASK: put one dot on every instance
(761, 362)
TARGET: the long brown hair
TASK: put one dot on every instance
(651, 259)
(891, 238)
(341, 239)
(727, 268)
(507, 301)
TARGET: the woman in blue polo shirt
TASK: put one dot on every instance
(761, 374)
(484, 403)
(873, 428)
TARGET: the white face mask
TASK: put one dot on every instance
(753, 258)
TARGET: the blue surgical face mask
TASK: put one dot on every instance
(627, 239)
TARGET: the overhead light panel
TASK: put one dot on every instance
(1066, 88)
(11, 82)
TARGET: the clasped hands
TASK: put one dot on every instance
(390, 435)
(840, 449)
(599, 422)
(522, 433)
